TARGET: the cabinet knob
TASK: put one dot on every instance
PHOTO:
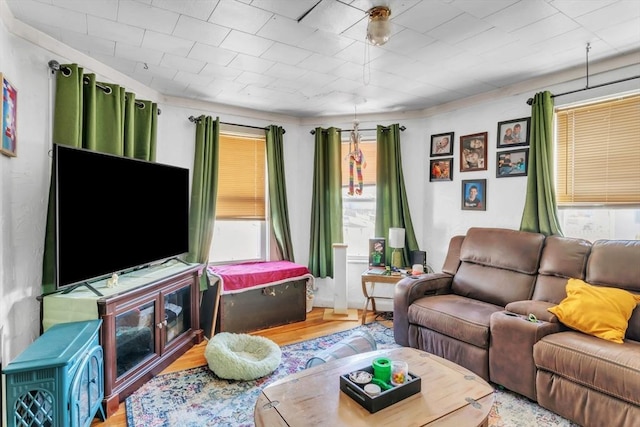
(161, 324)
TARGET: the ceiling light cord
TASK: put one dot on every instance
(366, 64)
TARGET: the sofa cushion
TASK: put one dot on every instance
(501, 248)
(455, 316)
(596, 310)
(602, 365)
(492, 285)
(562, 258)
(615, 263)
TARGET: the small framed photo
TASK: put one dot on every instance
(441, 169)
(377, 252)
(442, 144)
(8, 111)
(473, 152)
(512, 133)
(512, 163)
(474, 194)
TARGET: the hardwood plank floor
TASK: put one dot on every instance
(313, 327)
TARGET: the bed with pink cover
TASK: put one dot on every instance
(258, 295)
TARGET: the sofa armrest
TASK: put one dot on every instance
(537, 308)
(408, 290)
(513, 336)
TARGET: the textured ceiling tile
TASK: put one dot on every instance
(251, 63)
(115, 31)
(181, 63)
(40, 13)
(324, 42)
(320, 63)
(143, 16)
(233, 14)
(246, 43)
(201, 31)
(166, 43)
(290, 9)
(107, 9)
(286, 54)
(332, 16)
(284, 30)
(212, 54)
(439, 51)
(135, 53)
(200, 9)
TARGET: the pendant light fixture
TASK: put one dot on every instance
(379, 28)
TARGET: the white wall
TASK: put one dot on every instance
(23, 195)
(435, 207)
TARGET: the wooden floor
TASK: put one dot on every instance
(313, 327)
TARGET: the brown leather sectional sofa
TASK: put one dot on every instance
(476, 313)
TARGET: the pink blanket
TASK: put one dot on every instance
(249, 275)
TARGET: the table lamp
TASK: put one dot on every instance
(396, 242)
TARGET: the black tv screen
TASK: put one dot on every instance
(114, 214)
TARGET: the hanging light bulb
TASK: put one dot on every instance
(379, 28)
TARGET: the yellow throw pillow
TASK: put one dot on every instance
(596, 310)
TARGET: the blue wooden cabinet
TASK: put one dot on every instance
(58, 380)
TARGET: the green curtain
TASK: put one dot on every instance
(95, 116)
(279, 211)
(392, 206)
(326, 207)
(204, 190)
(540, 212)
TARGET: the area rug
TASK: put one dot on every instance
(197, 398)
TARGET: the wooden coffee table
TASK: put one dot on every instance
(450, 396)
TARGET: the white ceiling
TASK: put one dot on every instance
(271, 55)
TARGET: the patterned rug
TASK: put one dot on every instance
(197, 398)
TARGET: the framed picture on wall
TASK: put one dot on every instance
(9, 120)
(441, 170)
(442, 144)
(473, 152)
(512, 163)
(512, 133)
(474, 194)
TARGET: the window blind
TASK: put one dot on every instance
(241, 178)
(598, 153)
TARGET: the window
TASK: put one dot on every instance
(598, 169)
(359, 198)
(240, 231)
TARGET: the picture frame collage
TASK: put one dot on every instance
(512, 158)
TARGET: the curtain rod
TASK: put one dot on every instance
(193, 119)
(66, 71)
(530, 100)
(402, 128)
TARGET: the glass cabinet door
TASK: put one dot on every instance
(87, 389)
(135, 336)
(177, 313)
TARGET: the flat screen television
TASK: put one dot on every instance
(114, 214)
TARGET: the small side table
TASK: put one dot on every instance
(372, 279)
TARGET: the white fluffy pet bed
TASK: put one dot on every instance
(242, 356)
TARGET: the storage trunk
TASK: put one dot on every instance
(262, 308)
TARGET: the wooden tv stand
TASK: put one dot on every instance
(149, 320)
